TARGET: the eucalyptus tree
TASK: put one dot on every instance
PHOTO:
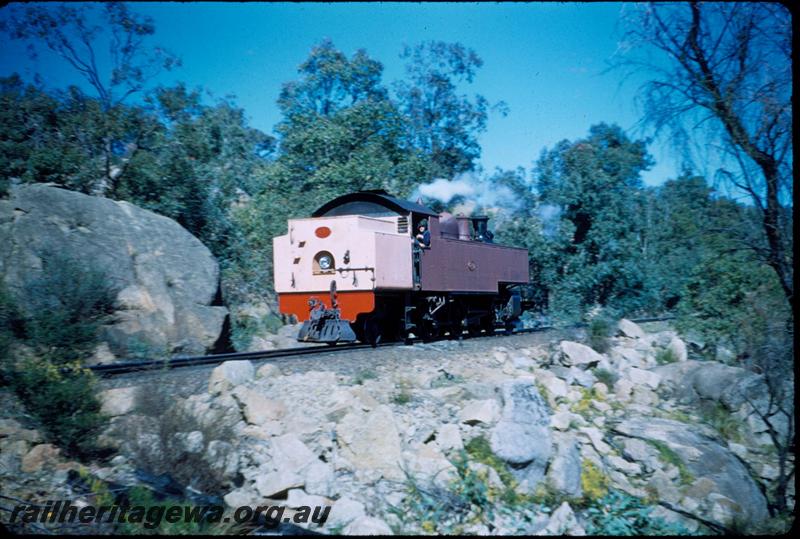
(105, 45)
(595, 185)
(443, 123)
(722, 74)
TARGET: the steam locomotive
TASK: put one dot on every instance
(356, 270)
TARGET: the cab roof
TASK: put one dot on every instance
(376, 202)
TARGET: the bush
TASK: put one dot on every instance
(722, 420)
(63, 401)
(666, 356)
(606, 376)
(11, 324)
(594, 482)
(157, 444)
(669, 456)
(440, 509)
(600, 331)
(68, 302)
(618, 513)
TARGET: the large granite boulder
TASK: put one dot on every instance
(720, 481)
(166, 280)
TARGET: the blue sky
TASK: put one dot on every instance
(545, 60)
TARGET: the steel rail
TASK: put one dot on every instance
(123, 366)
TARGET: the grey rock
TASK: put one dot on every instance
(166, 279)
(229, 375)
(522, 435)
(706, 460)
(564, 473)
(573, 353)
(630, 329)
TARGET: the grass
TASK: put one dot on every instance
(669, 456)
(402, 397)
(599, 333)
(584, 405)
(605, 376)
(665, 356)
(363, 376)
(716, 415)
(594, 482)
(446, 379)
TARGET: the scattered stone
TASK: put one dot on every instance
(343, 512)
(564, 473)
(449, 438)
(483, 411)
(274, 484)
(522, 435)
(573, 353)
(630, 329)
(678, 349)
(39, 457)
(229, 375)
(268, 371)
(119, 401)
(370, 441)
(563, 522)
(643, 377)
(257, 408)
(365, 525)
(298, 498)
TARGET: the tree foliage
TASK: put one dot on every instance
(595, 185)
(729, 70)
(443, 124)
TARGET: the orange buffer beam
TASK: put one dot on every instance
(351, 303)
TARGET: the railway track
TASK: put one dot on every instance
(124, 367)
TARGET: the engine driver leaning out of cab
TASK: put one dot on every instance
(423, 235)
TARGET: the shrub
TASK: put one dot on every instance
(63, 401)
(157, 444)
(68, 303)
(668, 456)
(363, 376)
(11, 324)
(716, 415)
(605, 376)
(600, 331)
(666, 356)
(480, 450)
(446, 509)
(618, 513)
(593, 481)
(445, 379)
(584, 405)
(152, 525)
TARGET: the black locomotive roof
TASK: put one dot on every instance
(377, 202)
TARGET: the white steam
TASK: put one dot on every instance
(478, 194)
(550, 216)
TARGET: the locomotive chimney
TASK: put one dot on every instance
(463, 228)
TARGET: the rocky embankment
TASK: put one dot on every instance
(524, 441)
